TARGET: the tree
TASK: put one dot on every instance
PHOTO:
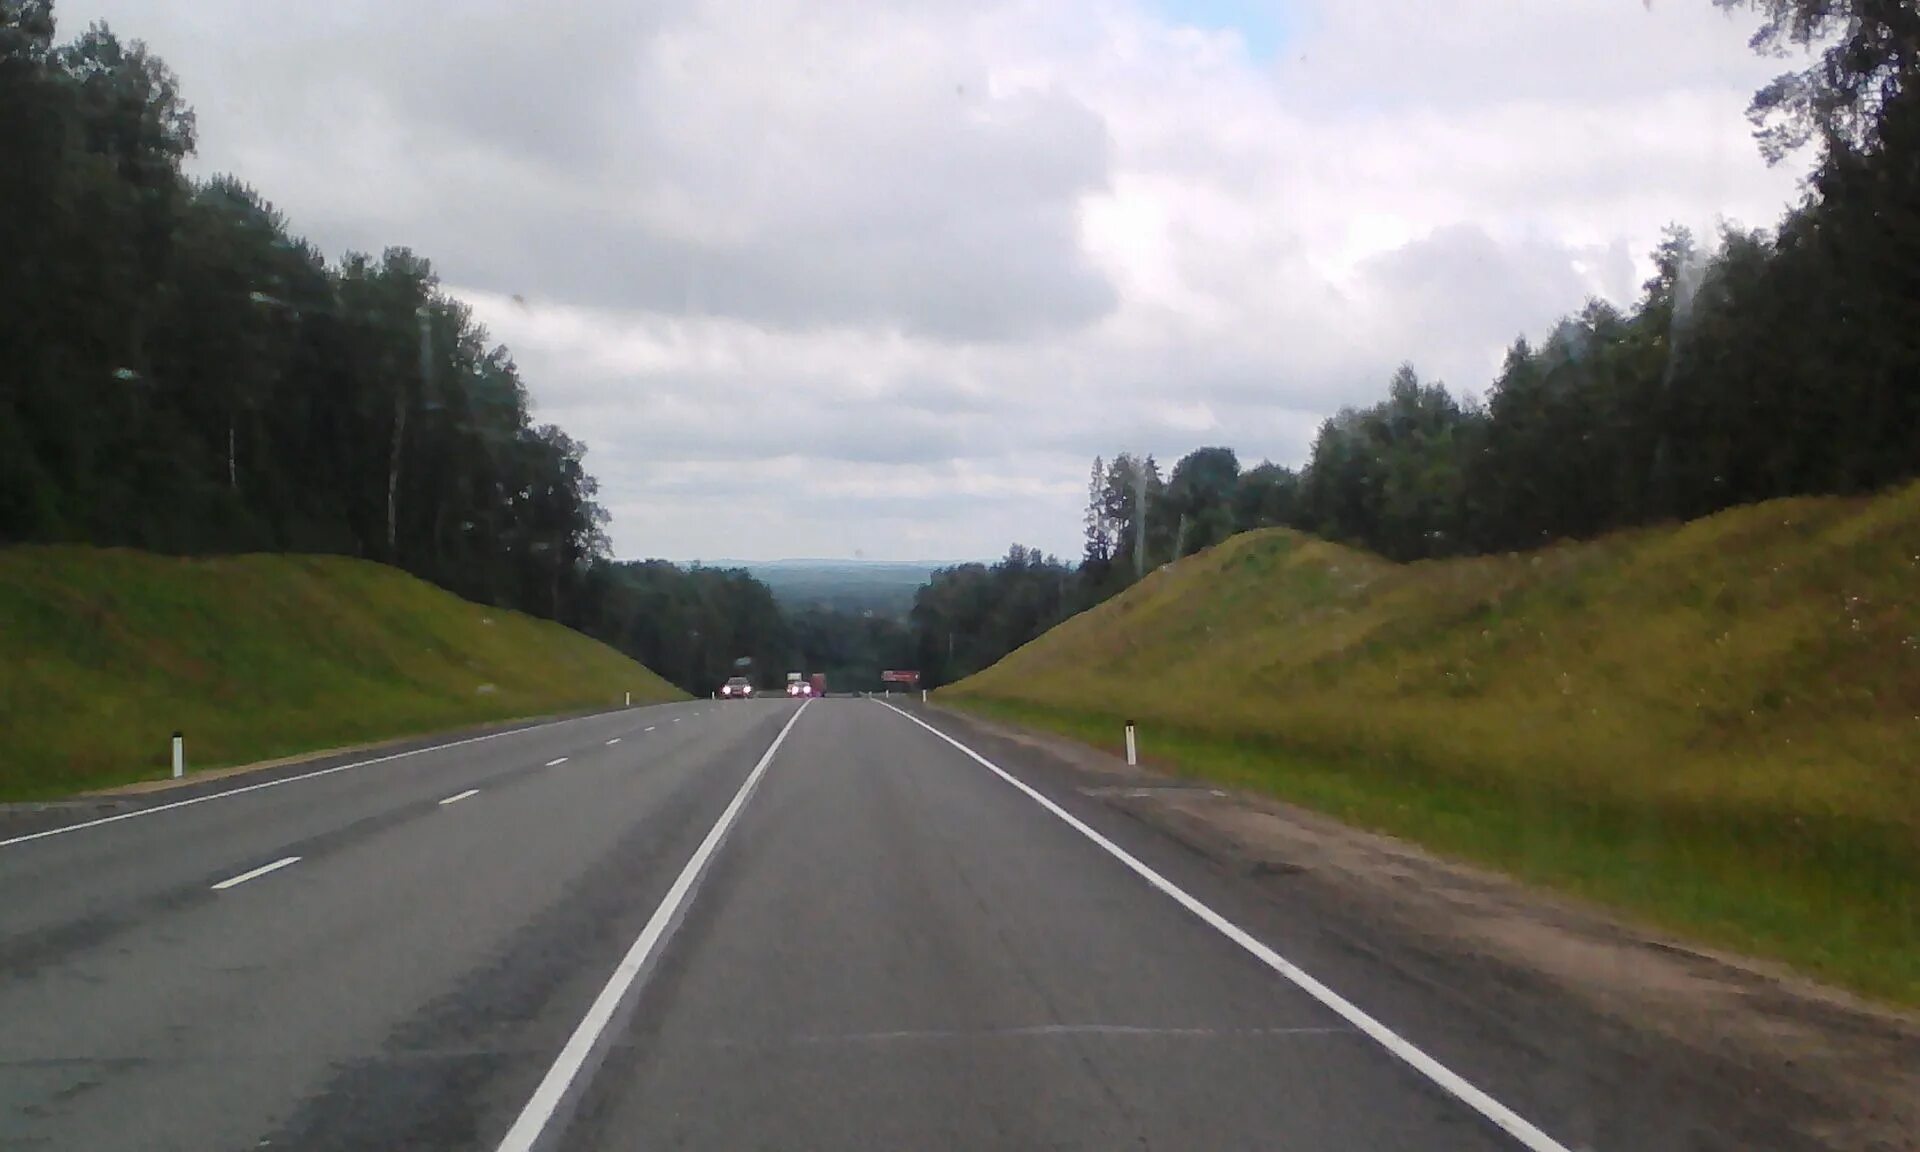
(968, 616)
(1200, 498)
(186, 375)
(1266, 497)
(691, 624)
(1870, 60)
(1396, 476)
(1127, 477)
(1099, 522)
(136, 126)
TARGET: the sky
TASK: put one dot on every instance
(861, 278)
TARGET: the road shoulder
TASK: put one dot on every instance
(1776, 1054)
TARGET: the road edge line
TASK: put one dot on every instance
(563, 1076)
(1455, 1085)
(192, 800)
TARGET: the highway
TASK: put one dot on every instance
(699, 925)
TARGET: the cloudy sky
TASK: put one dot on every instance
(859, 277)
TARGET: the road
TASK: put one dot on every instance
(701, 925)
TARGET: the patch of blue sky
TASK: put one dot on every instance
(1264, 25)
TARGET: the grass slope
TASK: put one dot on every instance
(1715, 725)
(104, 652)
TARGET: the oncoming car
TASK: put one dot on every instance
(799, 688)
(738, 688)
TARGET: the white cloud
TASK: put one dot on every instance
(825, 277)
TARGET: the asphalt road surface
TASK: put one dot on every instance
(705, 925)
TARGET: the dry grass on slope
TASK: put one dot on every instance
(1715, 724)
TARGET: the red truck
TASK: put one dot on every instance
(819, 682)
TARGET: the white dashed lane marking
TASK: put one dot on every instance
(256, 873)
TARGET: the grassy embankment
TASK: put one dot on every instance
(1715, 726)
(105, 652)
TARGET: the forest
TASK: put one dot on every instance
(181, 372)
(184, 374)
(1753, 365)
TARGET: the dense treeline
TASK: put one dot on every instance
(179, 372)
(970, 615)
(1766, 365)
(690, 625)
(183, 374)
(693, 626)
(851, 648)
(1772, 364)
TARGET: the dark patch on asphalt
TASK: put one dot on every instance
(426, 1089)
(26, 956)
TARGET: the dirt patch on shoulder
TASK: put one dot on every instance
(1792, 1039)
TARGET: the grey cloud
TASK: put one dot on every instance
(751, 426)
(990, 277)
(1469, 54)
(541, 83)
(651, 157)
(1458, 296)
(833, 435)
(832, 249)
(805, 515)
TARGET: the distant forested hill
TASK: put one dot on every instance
(883, 587)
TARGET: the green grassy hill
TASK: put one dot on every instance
(1716, 725)
(105, 652)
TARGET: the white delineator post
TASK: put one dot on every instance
(179, 755)
(629, 699)
(923, 695)
(1133, 749)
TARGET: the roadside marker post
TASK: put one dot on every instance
(629, 699)
(1133, 749)
(179, 755)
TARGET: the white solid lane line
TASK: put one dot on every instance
(556, 760)
(272, 784)
(455, 799)
(256, 873)
(613, 741)
(1504, 1118)
(585, 1041)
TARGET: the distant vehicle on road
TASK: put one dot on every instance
(819, 683)
(737, 688)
